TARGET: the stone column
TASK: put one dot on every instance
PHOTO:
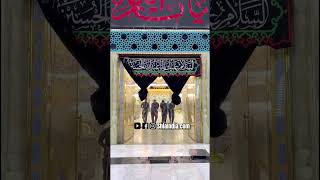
(15, 28)
(304, 79)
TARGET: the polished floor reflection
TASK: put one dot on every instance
(154, 150)
(190, 171)
(137, 157)
(167, 171)
(155, 136)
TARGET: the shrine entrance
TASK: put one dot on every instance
(148, 66)
(187, 113)
(168, 65)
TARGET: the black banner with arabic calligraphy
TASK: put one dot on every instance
(160, 14)
(162, 66)
(245, 22)
(83, 26)
(250, 22)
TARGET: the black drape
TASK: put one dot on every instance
(142, 81)
(176, 84)
(228, 61)
(175, 81)
(99, 101)
(93, 60)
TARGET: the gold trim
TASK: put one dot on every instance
(29, 107)
(289, 115)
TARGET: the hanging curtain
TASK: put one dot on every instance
(176, 84)
(142, 81)
(91, 52)
(228, 62)
(99, 103)
(87, 39)
(175, 71)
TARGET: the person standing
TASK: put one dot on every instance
(171, 112)
(145, 109)
(154, 111)
(164, 111)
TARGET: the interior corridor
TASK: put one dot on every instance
(152, 154)
(185, 113)
(158, 136)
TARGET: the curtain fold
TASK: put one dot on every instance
(228, 62)
(176, 83)
(93, 52)
(142, 81)
(174, 73)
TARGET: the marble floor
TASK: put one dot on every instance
(166, 171)
(146, 143)
(151, 136)
(181, 171)
(155, 150)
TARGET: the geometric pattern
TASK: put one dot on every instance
(159, 41)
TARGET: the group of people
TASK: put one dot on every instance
(166, 108)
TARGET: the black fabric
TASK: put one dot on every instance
(219, 124)
(176, 84)
(162, 66)
(142, 81)
(99, 102)
(173, 13)
(93, 60)
(266, 22)
(228, 61)
(66, 18)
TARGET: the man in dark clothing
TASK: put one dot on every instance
(105, 142)
(154, 111)
(164, 111)
(171, 111)
(145, 109)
